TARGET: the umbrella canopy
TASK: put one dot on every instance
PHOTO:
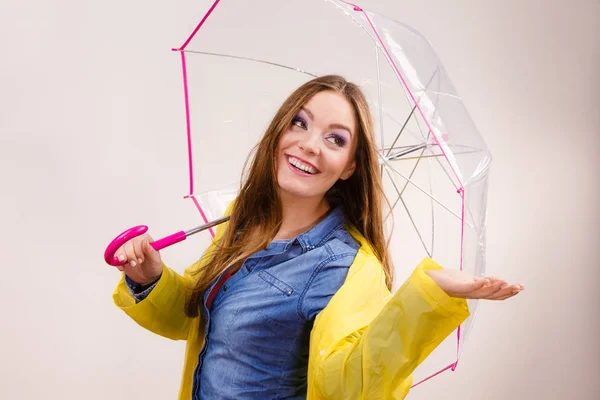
(244, 58)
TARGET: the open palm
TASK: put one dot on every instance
(460, 284)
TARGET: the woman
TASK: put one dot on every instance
(292, 299)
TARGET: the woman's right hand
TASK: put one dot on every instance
(143, 263)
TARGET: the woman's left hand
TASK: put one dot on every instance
(460, 284)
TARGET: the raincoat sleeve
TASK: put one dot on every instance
(163, 310)
(140, 292)
(377, 361)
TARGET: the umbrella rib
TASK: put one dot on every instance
(468, 209)
(393, 158)
(379, 102)
(416, 229)
(431, 189)
(457, 146)
(432, 214)
(446, 172)
(408, 213)
(413, 171)
(402, 129)
(395, 188)
(393, 205)
(434, 75)
(412, 112)
(407, 151)
(251, 59)
(427, 194)
(411, 150)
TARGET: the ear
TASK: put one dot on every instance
(349, 171)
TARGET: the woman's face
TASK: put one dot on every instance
(318, 147)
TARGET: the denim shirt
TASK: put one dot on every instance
(258, 329)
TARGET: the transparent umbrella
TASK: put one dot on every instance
(244, 58)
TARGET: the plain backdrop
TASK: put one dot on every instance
(90, 98)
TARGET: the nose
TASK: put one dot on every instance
(310, 143)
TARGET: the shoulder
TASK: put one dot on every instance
(330, 273)
(340, 243)
(340, 252)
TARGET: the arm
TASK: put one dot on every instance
(162, 311)
(378, 360)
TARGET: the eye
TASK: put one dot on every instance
(299, 122)
(338, 140)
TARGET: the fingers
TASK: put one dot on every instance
(493, 289)
(480, 283)
(138, 245)
(131, 250)
(496, 285)
(506, 292)
(491, 286)
(120, 254)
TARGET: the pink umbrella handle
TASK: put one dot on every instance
(111, 249)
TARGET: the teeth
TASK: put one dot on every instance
(300, 165)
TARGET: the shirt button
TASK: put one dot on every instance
(224, 288)
(322, 352)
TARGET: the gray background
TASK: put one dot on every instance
(87, 92)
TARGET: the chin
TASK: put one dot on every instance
(299, 189)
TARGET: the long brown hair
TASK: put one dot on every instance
(256, 214)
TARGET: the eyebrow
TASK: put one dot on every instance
(334, 126)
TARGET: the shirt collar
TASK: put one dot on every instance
(310, 239)
(318, 234)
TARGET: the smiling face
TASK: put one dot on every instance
(318, 147)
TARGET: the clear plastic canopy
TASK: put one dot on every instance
(244, 58)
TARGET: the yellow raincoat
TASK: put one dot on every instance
(364, 345)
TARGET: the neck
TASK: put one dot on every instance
(300, 214)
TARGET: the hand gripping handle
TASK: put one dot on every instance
(111, 249)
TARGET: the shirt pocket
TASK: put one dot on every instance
(276, 283)
(268, 307)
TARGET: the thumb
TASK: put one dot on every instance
(151, 254)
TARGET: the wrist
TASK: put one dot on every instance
(139, 284)
(150, 282)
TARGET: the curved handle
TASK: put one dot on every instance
(111, 249)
